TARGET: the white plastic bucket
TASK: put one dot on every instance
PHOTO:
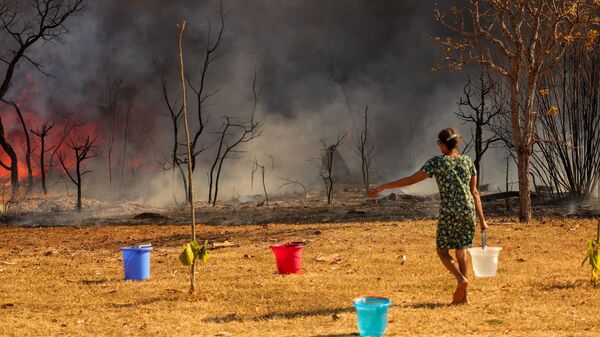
(485, 261)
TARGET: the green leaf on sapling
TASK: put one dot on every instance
(187, 256)
(203, 253)
(195, 247)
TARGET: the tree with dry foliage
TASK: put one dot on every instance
(566, 156)
(478, 109)
(22, 26)
(518, 41)
(81, 150)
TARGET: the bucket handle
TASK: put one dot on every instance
(483, 239)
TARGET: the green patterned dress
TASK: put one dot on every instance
(456, 222)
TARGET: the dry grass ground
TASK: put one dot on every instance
(68, 281)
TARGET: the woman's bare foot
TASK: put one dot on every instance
(466, 300)
(460, 295)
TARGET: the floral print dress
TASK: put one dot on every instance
(456, 222)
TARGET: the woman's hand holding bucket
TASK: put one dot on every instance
(483, 225)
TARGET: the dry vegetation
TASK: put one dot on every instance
(68, 281)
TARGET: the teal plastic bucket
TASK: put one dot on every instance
(136, 262)
(371, 314)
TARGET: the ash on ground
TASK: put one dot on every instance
(349, 206)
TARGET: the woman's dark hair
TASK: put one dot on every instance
(449, 137)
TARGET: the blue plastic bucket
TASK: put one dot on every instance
(371, 313)
(136, 262)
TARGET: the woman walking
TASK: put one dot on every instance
(459, 202)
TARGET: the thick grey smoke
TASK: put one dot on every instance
(322, 62)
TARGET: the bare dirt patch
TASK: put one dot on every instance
(68, 281)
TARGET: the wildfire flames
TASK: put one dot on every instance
(65, 131)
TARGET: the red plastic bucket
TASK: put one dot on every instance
(288, 257)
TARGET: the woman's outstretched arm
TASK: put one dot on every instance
(478, 207)
(413, 179)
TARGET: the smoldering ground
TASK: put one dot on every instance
(320, 63)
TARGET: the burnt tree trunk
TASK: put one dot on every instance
(27, 146)
(175, 116)
(113, 91)
(214, 202)
(214, 165)
(13, 166)
(264, 185)
(248, 133)
(124, 148)
(478, 152)
(365, 150)
(63, 139)
(42, 168)
(41, 133)
(326, 171)
(78, 174)
(81, 153)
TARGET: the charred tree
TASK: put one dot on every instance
(566, 156)
(174, 114)
(257, 89)
(223, 134)
(65, 135)
(365, 150)
(327, 161)
(254, 169)
(22, 27)
(12, 167)
(125, 142)
(42, 132)
(200, 89)
(27, 145)
(82, 153)
(477, 109)
(25, 26)
(112, 91)
(262, 170)
(242, 133)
